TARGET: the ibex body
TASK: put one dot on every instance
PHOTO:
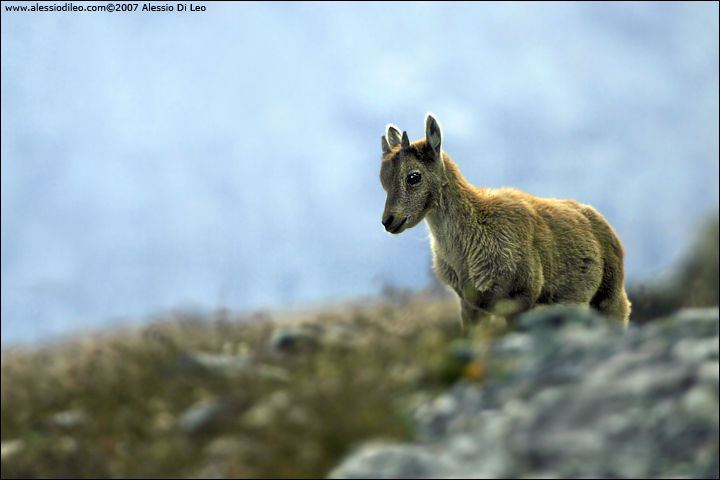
(502, 251)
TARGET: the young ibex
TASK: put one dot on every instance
(503, 251)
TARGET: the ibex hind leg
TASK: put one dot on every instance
(614, 304)
(610, 298)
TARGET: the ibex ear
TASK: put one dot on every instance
(405, 142)
(433, 134)
(385, 147)
(393, 136)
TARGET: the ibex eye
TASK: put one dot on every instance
(413, 178)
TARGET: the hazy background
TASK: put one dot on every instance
(230, 158)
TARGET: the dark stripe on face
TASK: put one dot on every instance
(428, 201)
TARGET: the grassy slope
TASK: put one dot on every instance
(116, 406)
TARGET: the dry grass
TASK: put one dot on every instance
(120, 405)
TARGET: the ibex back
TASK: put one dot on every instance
(503, 251)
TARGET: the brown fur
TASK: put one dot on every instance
(503, 251)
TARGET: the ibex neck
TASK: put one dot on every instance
(453, 208)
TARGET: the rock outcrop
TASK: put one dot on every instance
(572, 396)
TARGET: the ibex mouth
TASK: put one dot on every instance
(396, 230)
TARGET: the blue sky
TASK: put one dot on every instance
(230, 157)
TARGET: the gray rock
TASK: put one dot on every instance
(695, 350)
(701, 404)
(200, 416)
(70, 419)
(556, 317)
(227, 365)
(709, 374)
(387, 461)
(513, 344)
(207, 416)
(294, 340)
(697, 322)
(578, 398)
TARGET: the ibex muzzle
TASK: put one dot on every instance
(392, 226)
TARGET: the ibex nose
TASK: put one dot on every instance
(387, 222)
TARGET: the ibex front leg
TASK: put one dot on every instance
(471, 316)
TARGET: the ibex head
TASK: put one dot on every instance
(411, 174)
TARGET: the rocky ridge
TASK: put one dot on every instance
(571, 395)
